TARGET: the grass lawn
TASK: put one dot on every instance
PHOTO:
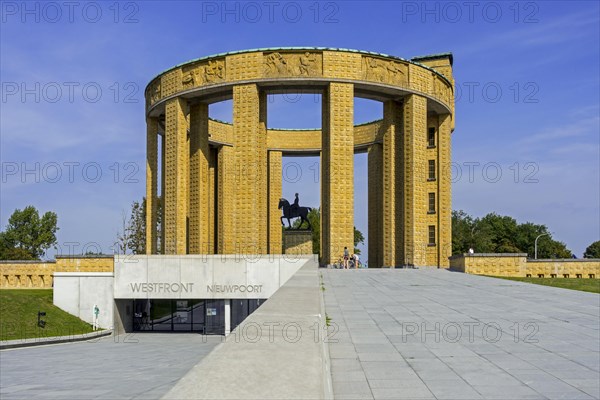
(18, 316)
(583, 284)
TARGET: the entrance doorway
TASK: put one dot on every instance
(179, 315)
(190, 315)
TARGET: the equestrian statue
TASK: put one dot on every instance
(294, 211)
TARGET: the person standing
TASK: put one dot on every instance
(346, 257)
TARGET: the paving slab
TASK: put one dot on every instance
(139, 365)
(437, 334)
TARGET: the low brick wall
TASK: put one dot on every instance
(517, 264)
(297, 242)
(569, 268)
(39, 274)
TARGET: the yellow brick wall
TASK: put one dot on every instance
(415, 180)
(337, 172)
(39, 274)
(560, 268)
(291, 64)
(490, 264)
(163, 180)
(518, 265)
(297, 242)
(244, 66)
(171, 82)
(444, 192)
(220, 132)
(176, 175)
(275, 182)
(368, 133)
(443, 92)
(199, 189)
(293, 140)
(433, 187)
(250, 147)
(392, 234)
(151, 184)
(212, 207)
(240, 176)
(375, 205)
(23, 275)
(226, 194)
(341, 64)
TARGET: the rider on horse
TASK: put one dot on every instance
(295, 206)
(294, 210)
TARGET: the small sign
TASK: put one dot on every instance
(211, 311)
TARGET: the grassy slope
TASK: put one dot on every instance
(585, 285)
(18, 316)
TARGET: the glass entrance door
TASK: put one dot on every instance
(184, 315)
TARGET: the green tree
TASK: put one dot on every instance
(462, 225)
(501, 231)
(27, 236)
(132, 234)
(468, 232)
(593, 250)
(502, 234)
(136, 238)
(358, 238)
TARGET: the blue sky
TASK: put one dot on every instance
(72, 111)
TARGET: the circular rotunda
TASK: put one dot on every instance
(220, 183)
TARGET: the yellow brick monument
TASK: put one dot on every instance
(221, 182)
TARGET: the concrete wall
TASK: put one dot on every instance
(517, 264)
(78, 292)
(203, 276)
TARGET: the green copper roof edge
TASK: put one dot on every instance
(228, 53)
(434, 56)
(293, 129)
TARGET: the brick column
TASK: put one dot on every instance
(445, 190)
(163, 168)
(212, 207)
(199, 180)
(375, 187)
(392, 235)
(385, 191)
(337, 171)
(414, 175)
(176, 164)
(275, 173)
(250, 144)
(151, 184)
(226, 189)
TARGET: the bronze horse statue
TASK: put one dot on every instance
(301, 212)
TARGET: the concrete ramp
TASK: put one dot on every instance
(277, 352)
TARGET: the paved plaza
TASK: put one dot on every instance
(436, 334)
(137, 366)
(395, 334)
